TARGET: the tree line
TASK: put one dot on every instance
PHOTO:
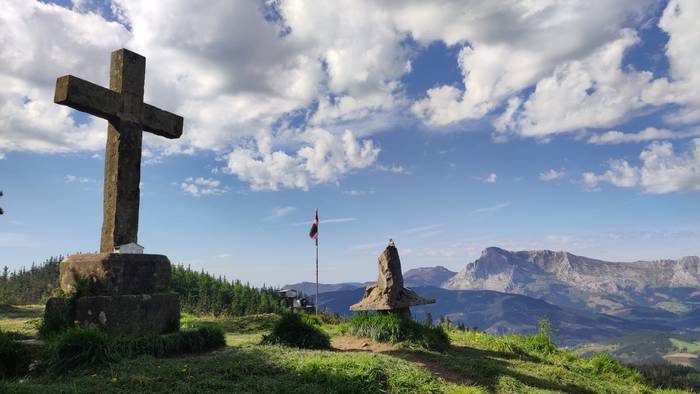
(200, 292)
(29, 286)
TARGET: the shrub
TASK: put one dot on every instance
(14, 357)
(602, 363)
(330, 318)
(186, 341)
(392, 328)
(298, 330)
(78, 347)
(539, 343)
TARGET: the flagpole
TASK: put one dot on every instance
(317, 276)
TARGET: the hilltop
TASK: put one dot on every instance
(475, 363)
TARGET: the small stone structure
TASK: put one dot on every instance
(388, 294)
(121, 290)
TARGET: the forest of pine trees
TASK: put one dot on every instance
(200, 293)
(31, 286)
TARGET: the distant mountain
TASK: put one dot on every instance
(427, 276)
(502, 313)
(309, 288)
(584, 283)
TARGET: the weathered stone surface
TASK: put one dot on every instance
(134, 315)
(117, 273)
(122, 105)
(58, 314)
(388, 293)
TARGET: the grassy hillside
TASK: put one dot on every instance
(475, 363)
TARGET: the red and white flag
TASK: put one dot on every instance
(313, 233)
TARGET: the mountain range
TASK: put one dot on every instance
(585, 300)
(581, 282)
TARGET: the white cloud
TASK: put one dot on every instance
(491, 178)
(203, 186)
(324, 157)
(648, 134)
(509, 46)
(280, 212)
(2, 156)
(76, 179)
(357, 193)
(552, 174)
(661, 170)
(254, 68)
(559, 48)
(394, 168)
(682, 87)
(40, 42)
(591, 92)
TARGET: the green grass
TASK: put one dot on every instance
(474, 363)
(690, 347)
(21, 319)
(81, 347)
(298, 330)
(14, 357)
(392, 328)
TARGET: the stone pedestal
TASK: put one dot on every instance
(124, 294)
(133, 314)
(116, 273)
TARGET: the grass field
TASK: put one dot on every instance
(683, 346)
(20, 318)
(475, 363)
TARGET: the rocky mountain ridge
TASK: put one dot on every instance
(569, 280)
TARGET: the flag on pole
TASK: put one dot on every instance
(313, 233)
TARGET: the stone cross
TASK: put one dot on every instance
(123, 107)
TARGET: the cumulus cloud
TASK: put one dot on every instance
(661, 170)
(576, 68)
(648, 134)
(591, 92)
(256, 67)
(200, 186)
(531, 41)
(323, 157)
(41, 41)
(552, 174)
(682, 86)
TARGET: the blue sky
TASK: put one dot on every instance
(424, 125)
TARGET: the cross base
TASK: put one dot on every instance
(123, 294)
(116, 273)
(131, 314)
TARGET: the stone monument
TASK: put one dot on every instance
(126, 292)
(388, 294)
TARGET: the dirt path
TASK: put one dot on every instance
(355, 344)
